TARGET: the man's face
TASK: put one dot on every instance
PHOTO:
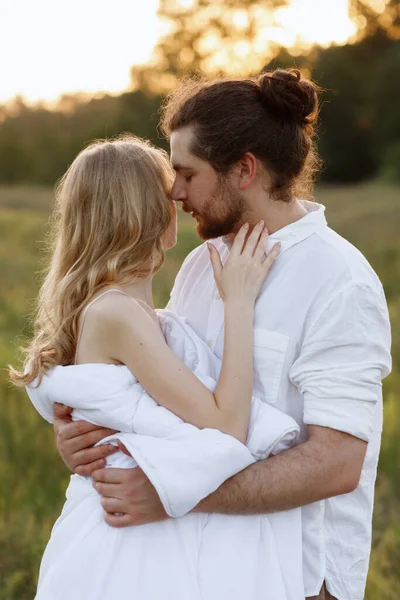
(213, 201)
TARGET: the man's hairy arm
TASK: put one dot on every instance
(328, 464)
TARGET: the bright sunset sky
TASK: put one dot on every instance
(51, 47)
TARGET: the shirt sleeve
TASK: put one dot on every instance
(344, 357)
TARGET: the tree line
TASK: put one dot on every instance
(359, 131)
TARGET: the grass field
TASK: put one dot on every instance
(33, 478)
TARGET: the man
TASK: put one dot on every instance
(241, 151)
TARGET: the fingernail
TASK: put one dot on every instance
(265, 230)
(246, 226)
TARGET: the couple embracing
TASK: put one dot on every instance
(225, 447)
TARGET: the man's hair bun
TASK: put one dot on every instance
(289, 97)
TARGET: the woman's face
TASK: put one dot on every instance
(169, 238)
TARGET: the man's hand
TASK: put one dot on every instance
(130, 492)
(75, 440)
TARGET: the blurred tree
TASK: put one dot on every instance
(237, 37)
(385, 113)
(349, 129)
(359, 133)
(373, 16)
(213, 37)
(360, 122)
(37, 145)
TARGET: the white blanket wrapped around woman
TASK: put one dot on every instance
(192, 556)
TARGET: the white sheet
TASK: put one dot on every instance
(191, 556)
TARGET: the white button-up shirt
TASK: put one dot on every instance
(321, 350)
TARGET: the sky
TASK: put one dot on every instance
(54, 47)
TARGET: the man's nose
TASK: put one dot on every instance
(178, 193)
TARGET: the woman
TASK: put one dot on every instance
(113, 222)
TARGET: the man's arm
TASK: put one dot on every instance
(328, 464)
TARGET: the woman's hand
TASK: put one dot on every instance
(246, 267)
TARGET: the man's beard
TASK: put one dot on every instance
(223, 213)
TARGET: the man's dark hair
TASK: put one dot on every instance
(272, 117)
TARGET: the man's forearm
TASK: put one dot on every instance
(325, 466)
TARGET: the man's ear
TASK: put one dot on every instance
(247, 170)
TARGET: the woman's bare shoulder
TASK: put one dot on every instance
(120, 310)
(115, 324)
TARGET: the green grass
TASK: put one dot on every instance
(32, 476)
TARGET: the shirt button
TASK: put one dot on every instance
(209, 343)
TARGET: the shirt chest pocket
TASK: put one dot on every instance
(269, 355)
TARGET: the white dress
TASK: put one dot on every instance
(191, 556)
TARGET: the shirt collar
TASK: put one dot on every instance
(299, 230)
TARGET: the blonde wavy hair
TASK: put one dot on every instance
(112, 210)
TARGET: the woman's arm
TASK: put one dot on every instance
(127, 333)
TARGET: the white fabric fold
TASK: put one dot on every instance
(194, 555)
(168, 450)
